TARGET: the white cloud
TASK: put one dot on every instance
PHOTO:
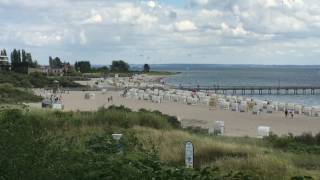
(95, 19)
(119, 29)
(82, 37)
(185, 25)
(151, 4)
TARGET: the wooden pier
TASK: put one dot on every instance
(260, 90)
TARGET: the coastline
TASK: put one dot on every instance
(236, 123)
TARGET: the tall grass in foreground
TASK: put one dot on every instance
(254, 158)
(39, 144)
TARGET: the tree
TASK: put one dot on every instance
(21, 61)
(119, 66)
(3, 52)
(16, 60)
(23, 57)
(83, 66)
(146, 68)
(55, 63)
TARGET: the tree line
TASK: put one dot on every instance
(118, 66)
(22, 60)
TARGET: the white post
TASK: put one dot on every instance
(189, 153)
(117, 138)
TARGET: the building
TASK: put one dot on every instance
(47, 70)
(4, 63)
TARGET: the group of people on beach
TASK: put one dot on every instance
(110, 99)
(55, 98)
(286, 113)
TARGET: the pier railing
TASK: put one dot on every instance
(256, 89)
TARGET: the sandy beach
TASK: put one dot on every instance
(236, 123)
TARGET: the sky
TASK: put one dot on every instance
(164, 31)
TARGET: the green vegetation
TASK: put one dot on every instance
(83, 66)
(12, 95)
(55, 62)
(146, 68)
(35, 80)
(119, 66)
(305, 143)
(3, 52)
(20, 61)
(36, 144)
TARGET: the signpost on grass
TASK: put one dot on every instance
(189, 154)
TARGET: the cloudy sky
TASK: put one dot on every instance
(164, 31)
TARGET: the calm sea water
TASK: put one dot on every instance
(249, 75)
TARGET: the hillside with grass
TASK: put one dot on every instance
(37, 80)
(12, 95)
(38, 144)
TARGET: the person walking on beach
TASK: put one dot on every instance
(286, 113)
(292, 114)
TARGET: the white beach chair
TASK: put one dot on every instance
(234, 106)
(226, 105)
(218, 128)
(307, 111)
(146, 96)
(264, 104)
(256, 110)
(281, 106)
(315, 111)
(290, 106)
(263, 131)
(243, 107)
(270, 108)
(57, 106)
(276, 105)
(298, 109)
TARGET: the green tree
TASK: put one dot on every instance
(119, 66)
(16, 60)
(21, 61)
(83, 66)
(24, 57)
(146, 68)
(3, 52)
(55, 62)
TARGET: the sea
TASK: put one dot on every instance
(247, 75)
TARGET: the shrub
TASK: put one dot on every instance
(10, 94)
(305, 143)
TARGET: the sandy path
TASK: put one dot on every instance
(237, 124)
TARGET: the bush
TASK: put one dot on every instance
(36, 80)
(29, 150)
(305, 143)
(10, 94)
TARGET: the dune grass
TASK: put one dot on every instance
(36, 80)
(10, 94)
(78, 145)
(250, 155)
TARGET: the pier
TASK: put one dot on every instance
(260, 90)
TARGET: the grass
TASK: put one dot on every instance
(249, 155)
(35, 80)
(12, 95)
(38, 144)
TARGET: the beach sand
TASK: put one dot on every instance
(236, 123)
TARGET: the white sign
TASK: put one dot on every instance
(189, 154)
(116, 136)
